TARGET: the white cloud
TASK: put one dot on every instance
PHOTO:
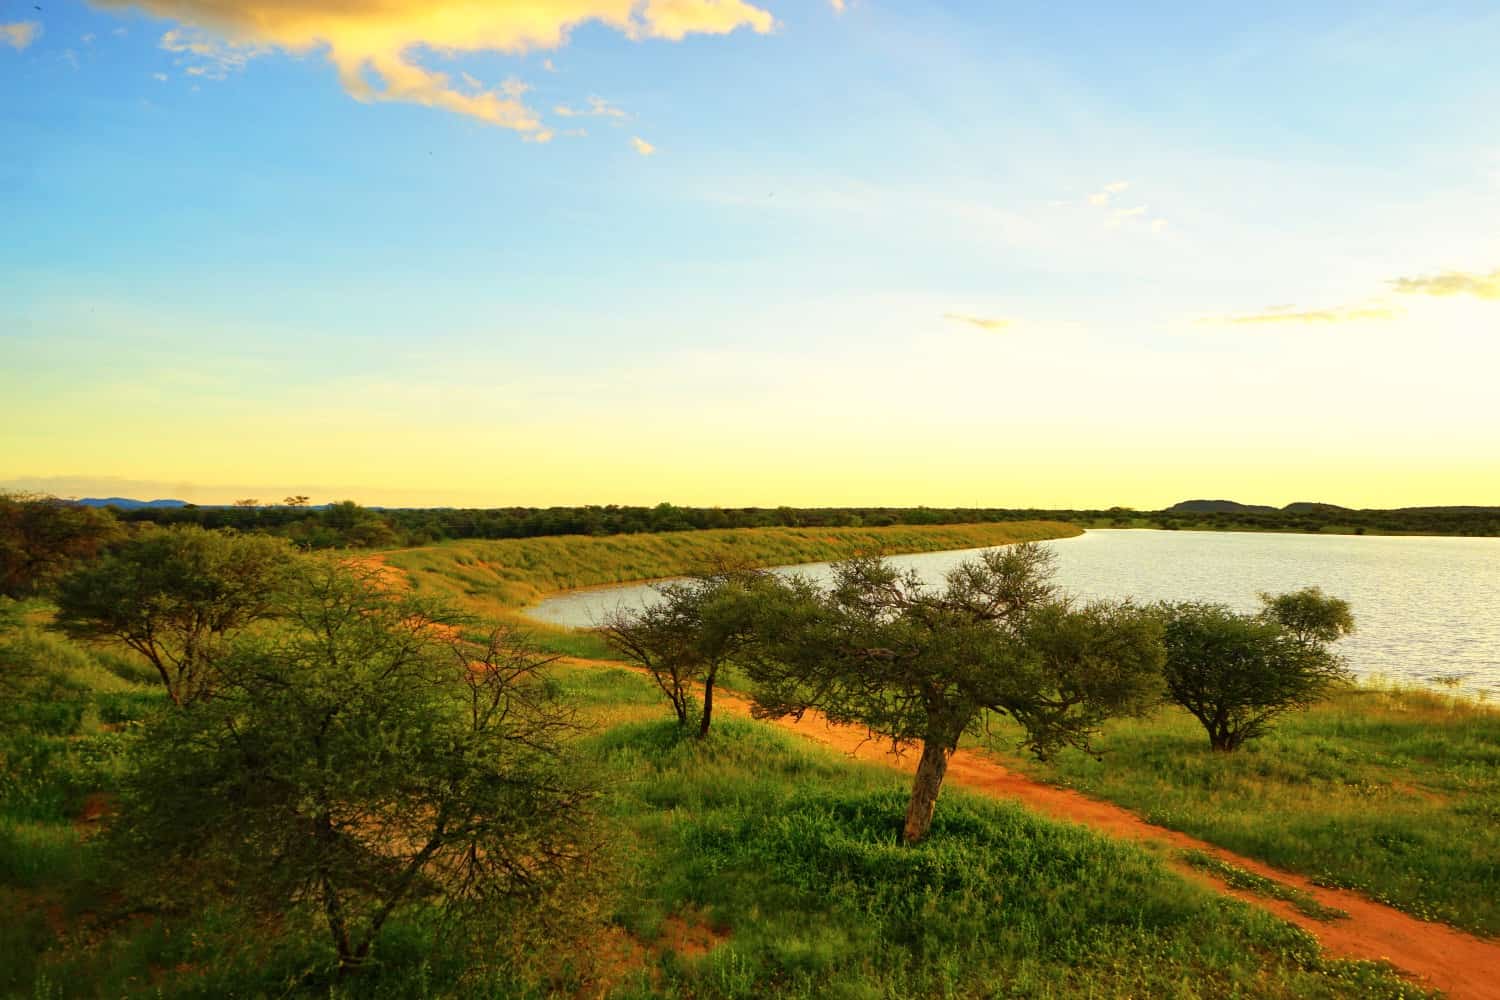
(20, 34)
(642, 146)
(203, 55)
(597, 107)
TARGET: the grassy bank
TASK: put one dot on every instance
(748, 866)
(509, 574)
(1395, 793)
(496, 579)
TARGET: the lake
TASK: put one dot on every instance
(1427, 609)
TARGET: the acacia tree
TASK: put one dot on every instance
(921, 666)
(366, 759)
(688, 634)
(174, 596)
(41, 537)
(1236, 673)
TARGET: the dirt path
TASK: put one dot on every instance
(1432, 954)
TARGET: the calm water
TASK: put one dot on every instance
(1427, 609)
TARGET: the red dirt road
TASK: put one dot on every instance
(1433, 955)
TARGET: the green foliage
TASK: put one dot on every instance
(41, 537)
(363, 757)
(915, 665)
(694, 628)
(175, 596)
(1237, 673)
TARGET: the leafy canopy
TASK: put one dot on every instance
(362, 758)
(683, 638)
(174, 596)
(919, 665)
(1236, 673)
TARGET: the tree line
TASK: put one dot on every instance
(40, 534)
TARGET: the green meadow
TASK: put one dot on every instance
(748, 865)
(1393, 792)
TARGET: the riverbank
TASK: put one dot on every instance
(496, 580)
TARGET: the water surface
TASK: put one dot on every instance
(1427, 609)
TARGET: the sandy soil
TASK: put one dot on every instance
(1432, 954)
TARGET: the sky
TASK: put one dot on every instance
(751, 252)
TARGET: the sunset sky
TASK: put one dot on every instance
(722, 252)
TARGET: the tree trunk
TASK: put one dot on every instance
(708, 702)
(925, 788)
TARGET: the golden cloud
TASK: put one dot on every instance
(373, 43)
(982, 322)
(1290, 314)
(19, 34)
(1484, 286)
(642, 146)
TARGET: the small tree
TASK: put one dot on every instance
(918, 666)
(364, 760)
(1236, 673)
(683, 639)
(174, 596)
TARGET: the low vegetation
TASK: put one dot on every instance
(749, 866)
(1240, 878)
(1392, 792)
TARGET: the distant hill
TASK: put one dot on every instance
(1304, 507)
(125, 503)
(1219, 507)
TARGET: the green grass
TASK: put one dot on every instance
(1394, 793)
(782, 854)
(792, 854)
(1237, 877)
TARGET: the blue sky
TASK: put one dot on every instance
(893, 253)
